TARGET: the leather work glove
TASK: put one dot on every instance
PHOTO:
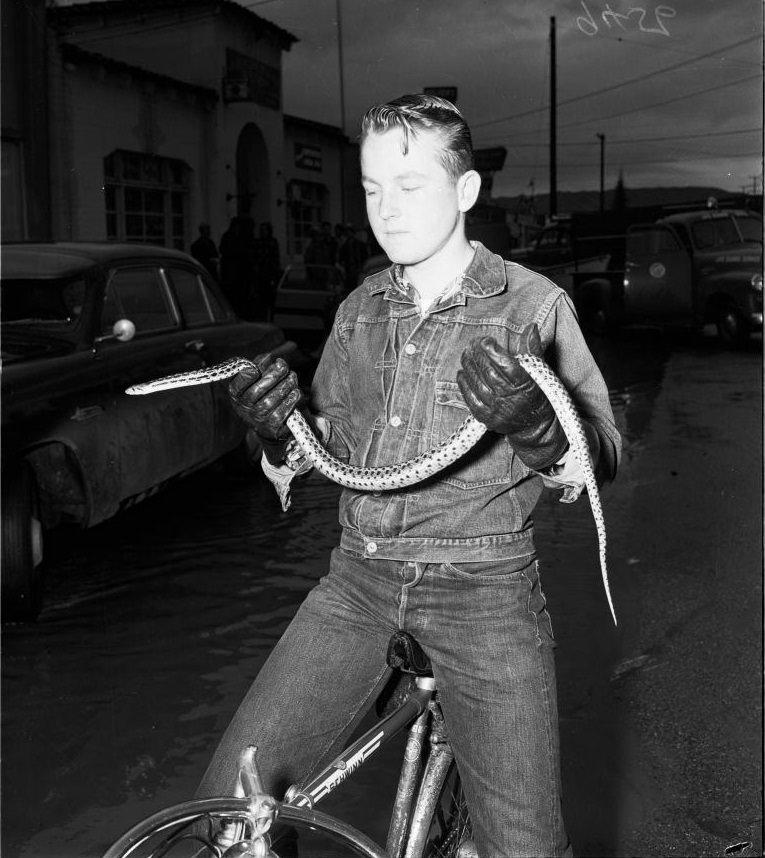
(264, 398)
(502, 395)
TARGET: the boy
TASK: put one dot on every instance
(452, 560)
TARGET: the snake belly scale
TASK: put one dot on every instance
(397, 476)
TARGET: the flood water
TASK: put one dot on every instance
(156, 622)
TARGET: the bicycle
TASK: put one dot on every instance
(430, 818)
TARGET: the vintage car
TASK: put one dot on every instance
(306, 300)
(81, 322)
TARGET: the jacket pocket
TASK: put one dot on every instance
(488, 463)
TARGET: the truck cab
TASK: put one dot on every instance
(694, 268)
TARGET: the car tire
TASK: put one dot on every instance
(732, 328)
(22, 547)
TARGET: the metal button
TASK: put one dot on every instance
(371, 547)
(410, 348)
(395, 420)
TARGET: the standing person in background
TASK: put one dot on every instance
(205, 251)
(267, 270)
(330, 242)
(351, 255)
(413, 350)
(237, 257)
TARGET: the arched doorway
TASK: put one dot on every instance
(253, 176)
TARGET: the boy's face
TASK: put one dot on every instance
(414, 206)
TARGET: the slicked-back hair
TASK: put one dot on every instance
(419, 112)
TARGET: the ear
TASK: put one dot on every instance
(468, 188)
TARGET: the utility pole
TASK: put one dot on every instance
(553, 206)
(602, 138)
(342, 110)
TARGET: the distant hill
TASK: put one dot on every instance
(587, 201)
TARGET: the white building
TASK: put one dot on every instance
(166, 113)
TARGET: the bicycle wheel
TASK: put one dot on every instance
(189, 830)
(451, 832)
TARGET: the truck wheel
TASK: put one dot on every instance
(593, 316)
(731, 326)
(22, 547)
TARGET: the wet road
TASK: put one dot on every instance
(156, 622)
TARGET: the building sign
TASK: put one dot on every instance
(236, 89)
(447, 92)
(307, 157)
(251, 80)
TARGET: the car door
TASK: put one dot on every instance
(162, 434)
(217, 334)
(658, 279)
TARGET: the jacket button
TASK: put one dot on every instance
(395, 420)
(371, 547)
(410, 348)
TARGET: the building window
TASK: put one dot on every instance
(147, 199)
(305, 212)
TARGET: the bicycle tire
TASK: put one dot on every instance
(187, 829)
(450, 834)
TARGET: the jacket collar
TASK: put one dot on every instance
(484, 277)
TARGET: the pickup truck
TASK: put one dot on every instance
(685, 270)
(575, 246)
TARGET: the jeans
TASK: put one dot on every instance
(484, 626)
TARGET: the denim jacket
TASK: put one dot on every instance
(385, 391)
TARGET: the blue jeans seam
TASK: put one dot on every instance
(320, 757)
(404, 592)
(552, 773)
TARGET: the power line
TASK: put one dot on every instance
(601, 117)
(641, 161)
(662, 46)
(615, 86)
(630, 140)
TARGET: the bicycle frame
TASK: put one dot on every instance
(418, 790)
(249, 814)
(363, 748)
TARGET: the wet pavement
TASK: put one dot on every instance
(156, 622)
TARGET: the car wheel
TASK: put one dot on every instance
(732, 328)
(22, 547)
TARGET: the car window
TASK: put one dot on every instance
(192, 296)
(751, 228)
(138, 294)
(714, 233)
(50, 302)
(312, 277)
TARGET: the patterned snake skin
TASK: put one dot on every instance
(421, 467)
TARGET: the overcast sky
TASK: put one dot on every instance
(675, 87)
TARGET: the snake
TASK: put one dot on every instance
(419, 468)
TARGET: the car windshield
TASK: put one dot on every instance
(312, 277)
(717, 232)
(54, 305)
(750, 228)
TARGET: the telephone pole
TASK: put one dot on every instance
(553, 205)
(602, 138)
(342, 109)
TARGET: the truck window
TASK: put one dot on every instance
(650, 241)
(750, 228)
(714, 233)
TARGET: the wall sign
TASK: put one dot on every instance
(308, 157)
